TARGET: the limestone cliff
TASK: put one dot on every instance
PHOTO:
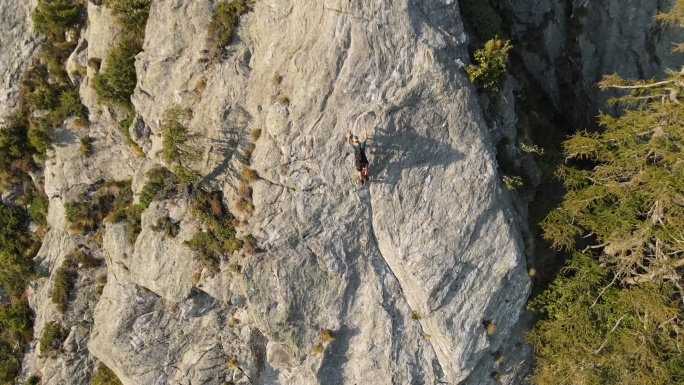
(405, 273)
(418, 278)
(19, 44)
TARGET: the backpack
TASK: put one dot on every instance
(360, 155)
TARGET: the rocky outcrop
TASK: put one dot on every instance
(569, 45)
(19, 43)
(420, 277)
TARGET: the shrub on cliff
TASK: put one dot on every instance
(51, 341)
(116, 82)
(177, 144)
(491, 65)
(53, 18)
(9, 364)
(16, 265)
(131, 14)
(65, 277)
(14, 143)
(219, 239)
(224, 20)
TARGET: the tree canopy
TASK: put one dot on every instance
(615, 314)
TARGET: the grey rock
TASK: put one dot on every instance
(399, 269)
(405, 273)
(19, 43)
(568, 46)
(197, 304)
(160, 263)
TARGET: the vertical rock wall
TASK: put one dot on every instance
(569, 45)
(19, 44)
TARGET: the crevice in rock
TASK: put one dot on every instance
(439, 366)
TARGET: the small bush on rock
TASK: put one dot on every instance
(224, 20)
(491, 66)
(219, 237)
(116, 82)
(65, 277)
(131, 14)
(176, 141)
(53, 18)
(51, 341)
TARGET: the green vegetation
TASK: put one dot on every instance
(16, 250)
(116, 82)
(52, 19)
(51, 93)
(14, 143)
(248, 175)
(168, 226)
(46, 87)
(110, 201)
(491, 65)
(615, 313)
(10, 364)
(317, 349)
(37, 209)
(16, 326)
(86, 147)
(65, 277)
(513, 182)
(95, 63)
(67, 274)
(51, 341)
(224, 20)
(177, 144)
(255, 134)
(124, 126)
(130, 14)
(104, 376)
(46, 98)
(15, 318)
(219, 237)
(326, 336)
(33, 380)
(161, 184)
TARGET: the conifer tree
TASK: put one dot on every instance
(616, 312)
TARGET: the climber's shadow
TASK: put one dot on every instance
(391, 153)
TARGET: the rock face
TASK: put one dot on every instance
(406, 273)
(19, 44)
(417, 278)
(569, 45)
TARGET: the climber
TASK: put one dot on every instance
(359, 150)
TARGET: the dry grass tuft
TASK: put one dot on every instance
(248, 175)
(490, 326)
(232, 363)
(318, 349)
(326, 335)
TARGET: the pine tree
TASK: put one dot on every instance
(616, 313)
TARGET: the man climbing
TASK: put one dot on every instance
(359, 150)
